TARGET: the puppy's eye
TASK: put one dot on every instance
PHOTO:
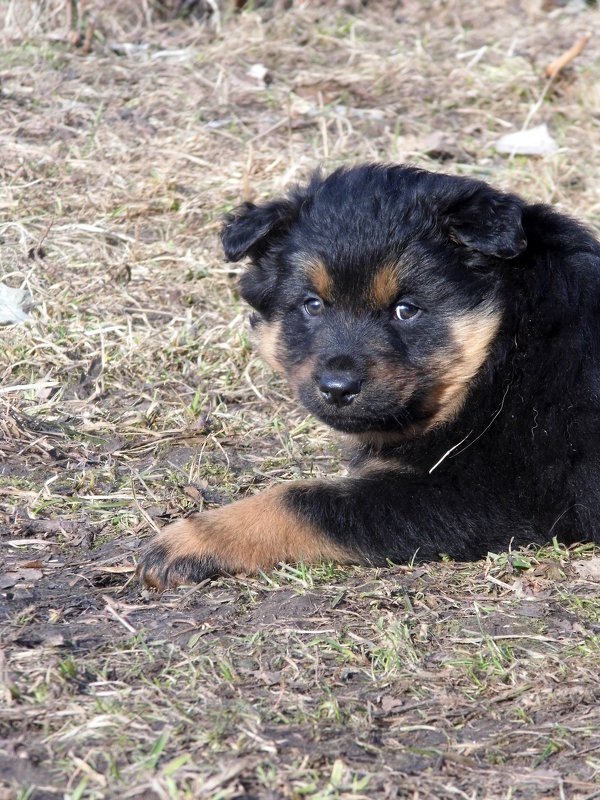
(404, 311)
(313, 306)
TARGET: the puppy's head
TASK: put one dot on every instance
(378, 291)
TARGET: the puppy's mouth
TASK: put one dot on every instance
(362, 411)
(358, 424)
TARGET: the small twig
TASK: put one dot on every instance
(23, 387)
(217, 15)
(323, 126)
(500, 583)
(114, 613)
(142, 511)
(552, 70)
(87, 39)
(536, 107)
(36, 252)
(561, 62)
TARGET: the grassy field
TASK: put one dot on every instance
(133, 395)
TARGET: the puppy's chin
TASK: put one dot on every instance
(349, 424)
(357, 420)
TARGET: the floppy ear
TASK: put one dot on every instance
(488, 222)
(256, 231)
(248, 230)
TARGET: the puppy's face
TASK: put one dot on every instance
(377, 292)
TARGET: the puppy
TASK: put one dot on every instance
(453, 332)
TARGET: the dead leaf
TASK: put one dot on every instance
(124, 569)
(549, 570)
(532, 142)
(438, 145)
(530, 585)
(8, 579)
(390, 703)
(11, 305)
(321, 91)
(260, 74)
(30, 574)
(268, 677)
(193, 493)
(589, 570)
(36, 564)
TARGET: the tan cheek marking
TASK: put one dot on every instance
(303, 373)
(384, 289)
(251, 534)
(269, 347)
(393, 378)
(269, 338)
(472, 336)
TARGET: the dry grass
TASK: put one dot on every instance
(134, 394)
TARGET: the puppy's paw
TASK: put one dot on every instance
(251, 535)
(177, 555)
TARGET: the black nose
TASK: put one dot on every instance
(339, 388)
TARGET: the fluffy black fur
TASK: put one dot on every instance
(454, 332)
(529, 467)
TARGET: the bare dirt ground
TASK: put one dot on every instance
(133, 395)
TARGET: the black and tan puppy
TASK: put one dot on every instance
(454, 332)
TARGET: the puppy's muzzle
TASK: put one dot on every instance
(339, 388)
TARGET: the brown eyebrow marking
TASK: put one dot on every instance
(320, 278)
(385, 286)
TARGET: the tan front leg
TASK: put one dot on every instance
(253, 534)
